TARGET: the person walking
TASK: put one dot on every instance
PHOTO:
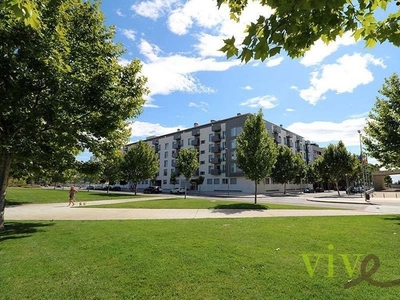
(72, 192)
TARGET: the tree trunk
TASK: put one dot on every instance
(135, 188)
(255, 192)
(337, 188)
(284, 188)
(5, 163)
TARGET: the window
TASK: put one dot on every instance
(266, 181)
(146, 182)
(233, 180)
(166, 154)
(202, 151)
(165, 172)
(224, 180)
(166, 146)
(210, 137)
(202, 173)
(210, 146)
(190, 141)
(223, 145)
(202, 141)
(209, 169)
(210, 158)
(165, 163)
(202, 162)
(223, 134)
(209, 181)
(164, 181)
(233, 144)
(216, 180)
(235, 131)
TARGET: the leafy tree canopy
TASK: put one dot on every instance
(21, 10)
(256, 151)
(62, 87)
(382, 140)
(295, 25)
(187, 163)
(140, 163)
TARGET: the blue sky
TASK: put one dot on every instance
(324, 96)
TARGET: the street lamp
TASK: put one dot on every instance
(362, 160)
(227, 166)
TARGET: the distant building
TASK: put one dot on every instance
(216, 144)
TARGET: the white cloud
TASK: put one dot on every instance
(119, 12)
(209, 45)
(273, 62)
(345, 75)
(320, 50)
(123, 61)
(289, 109)
(331, 132)
(145, 129)
(129, 33)
(167, 74)
(267, 102)
(247, 87)
(202, 105)
(153, 9)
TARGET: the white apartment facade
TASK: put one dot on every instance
(216, 145)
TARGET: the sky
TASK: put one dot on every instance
(325, 96)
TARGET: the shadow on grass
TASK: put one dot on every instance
(393, 218)
(15, 203)
(237, 208)
(15, 230)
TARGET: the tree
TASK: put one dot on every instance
(388, 180)
(173, 179)
(200, 181)
(382, 140)
(295, 25)
(187, 163)
(140, 163)
(287, 166)
(336, 161)
(21, 10)
(62, 88)
(256, 150)
(112, 168)
(92, 169)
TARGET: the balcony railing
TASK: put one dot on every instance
(216, 149)
(196, 132)
(215, 172)
(216, 127)
(196, 142)
(216, 138)
(174, 154)
(177, 136)
(176, 145)
(215, 160)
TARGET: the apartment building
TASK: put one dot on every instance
(216, 145)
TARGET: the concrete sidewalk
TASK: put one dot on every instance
(59, 211)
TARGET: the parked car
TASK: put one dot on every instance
(116, 188)
(152, 190)
(177, 190)
(319, 190)
(308, 190)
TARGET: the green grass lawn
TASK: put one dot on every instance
(17, 196)
(197, 259)
(198, 203)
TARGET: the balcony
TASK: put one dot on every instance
(215, 172)
(216, 138)
(216, 149)
(289, 135)
(173, 164)
(177, 136)
(196, 142)
(174, 154)
(216, 127)
(276, 129)
(155, 142)
(196, 132)
(176, 145)
(157, 148)
(215, 160)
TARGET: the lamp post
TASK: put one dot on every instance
(362, 160)
(227, 166)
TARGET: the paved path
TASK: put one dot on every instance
(349, 206)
